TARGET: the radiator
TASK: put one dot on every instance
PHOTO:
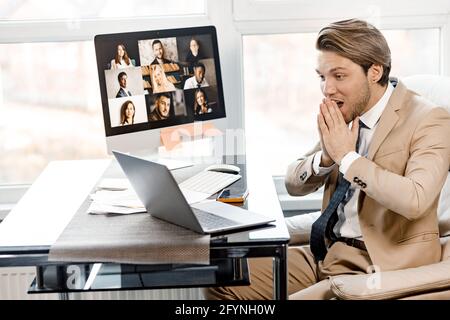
(14, 283)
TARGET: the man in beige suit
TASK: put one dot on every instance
(383, 157)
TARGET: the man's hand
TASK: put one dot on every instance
(325, 160)
(336, 137)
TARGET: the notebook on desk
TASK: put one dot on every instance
(163, 199)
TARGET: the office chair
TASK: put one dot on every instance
(425, 282)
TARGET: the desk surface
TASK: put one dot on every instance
(44, 211)
(63, 188)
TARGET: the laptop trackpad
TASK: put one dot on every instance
(210, 221)
(231, 212)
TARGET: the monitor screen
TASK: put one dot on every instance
(161, 78)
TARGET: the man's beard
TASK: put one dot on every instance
(362, 102)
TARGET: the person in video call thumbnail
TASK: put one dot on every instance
(123, 92)
(158, 51)
(201, 104)
(121, 59)
(127, 112)
(194, 53)
(162, 107)
(198, 79)
(160, 82)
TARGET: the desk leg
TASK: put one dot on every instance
(280, 290)
(39, 277)
(237, 269)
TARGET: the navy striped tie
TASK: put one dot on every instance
(323, 225)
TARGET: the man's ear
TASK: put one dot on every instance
(375, 73)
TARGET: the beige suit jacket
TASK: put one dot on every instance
(400, 181)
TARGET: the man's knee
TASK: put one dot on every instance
(260, 270)
(319, 291)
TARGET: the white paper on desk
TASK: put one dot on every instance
(127, 201)
(125, 198)
(98, 208)
(194, 196)
(114, 184)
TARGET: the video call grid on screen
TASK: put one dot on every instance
(156, 79)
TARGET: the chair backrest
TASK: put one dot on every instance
(436, 89)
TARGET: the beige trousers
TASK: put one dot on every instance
(306, 279)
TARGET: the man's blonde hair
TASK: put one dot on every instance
(358, 41)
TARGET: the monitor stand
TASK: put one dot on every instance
(189, 140)
(183, 145)
(160, 157)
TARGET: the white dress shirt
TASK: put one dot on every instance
(348, 222)
(121, 65)
(192, 83)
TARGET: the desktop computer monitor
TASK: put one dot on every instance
(151, 80)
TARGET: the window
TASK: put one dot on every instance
(50, 107)
(88, 9)
(281, 88)
(414, 51)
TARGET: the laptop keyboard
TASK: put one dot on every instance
(209, 181)
(211, 221)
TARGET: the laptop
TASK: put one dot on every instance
(163, 199)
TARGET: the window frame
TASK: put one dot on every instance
(317, 13)
(438, 21)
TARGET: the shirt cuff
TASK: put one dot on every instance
(347, 161)
(318, 170)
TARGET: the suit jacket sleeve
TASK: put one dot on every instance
(300, 178)
(426, 169)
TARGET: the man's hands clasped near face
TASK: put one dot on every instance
(349, 92)
(335, 136)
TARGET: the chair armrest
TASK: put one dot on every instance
(444, 209)
(392, 284)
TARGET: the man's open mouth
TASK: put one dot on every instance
(339, 103)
